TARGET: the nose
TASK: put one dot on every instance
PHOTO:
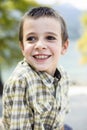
(40, 45)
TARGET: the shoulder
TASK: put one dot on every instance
(22, 70)
(65, 79)
(21, 77)
(63, 72)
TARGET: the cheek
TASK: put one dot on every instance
(56, 54)
(25, 51)
(57, 50)
(28, 48)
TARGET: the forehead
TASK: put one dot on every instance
(43, 23)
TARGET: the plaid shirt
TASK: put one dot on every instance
(35, 100)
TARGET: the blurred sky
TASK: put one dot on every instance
(80, 4)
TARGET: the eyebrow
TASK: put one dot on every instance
(52, 33)
(33, 33)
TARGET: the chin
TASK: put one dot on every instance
(40, 68)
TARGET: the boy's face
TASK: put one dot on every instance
(42, 43)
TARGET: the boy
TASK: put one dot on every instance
(36, 95)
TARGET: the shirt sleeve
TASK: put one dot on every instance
(66, 93)
(65, 84)
(17, 114)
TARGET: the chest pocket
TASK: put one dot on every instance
(43, 107)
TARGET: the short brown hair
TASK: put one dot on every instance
(38, 12)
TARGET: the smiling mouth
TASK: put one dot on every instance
(41, 57)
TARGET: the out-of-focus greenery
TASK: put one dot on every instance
(82, 42)
(11, 12)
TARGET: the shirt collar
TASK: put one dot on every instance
(57, 75)
(48, 79)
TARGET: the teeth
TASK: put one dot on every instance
(41, 57)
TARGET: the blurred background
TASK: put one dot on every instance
(75, 60)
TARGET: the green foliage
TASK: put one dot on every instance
(10, 14)
(82, 42)
(82, 46)
(84, 20)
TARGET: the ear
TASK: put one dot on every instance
(65, 47)
(22, 47)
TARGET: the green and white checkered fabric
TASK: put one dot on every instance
(35, 100)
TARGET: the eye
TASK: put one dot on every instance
(31, 39)
(50, 38)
